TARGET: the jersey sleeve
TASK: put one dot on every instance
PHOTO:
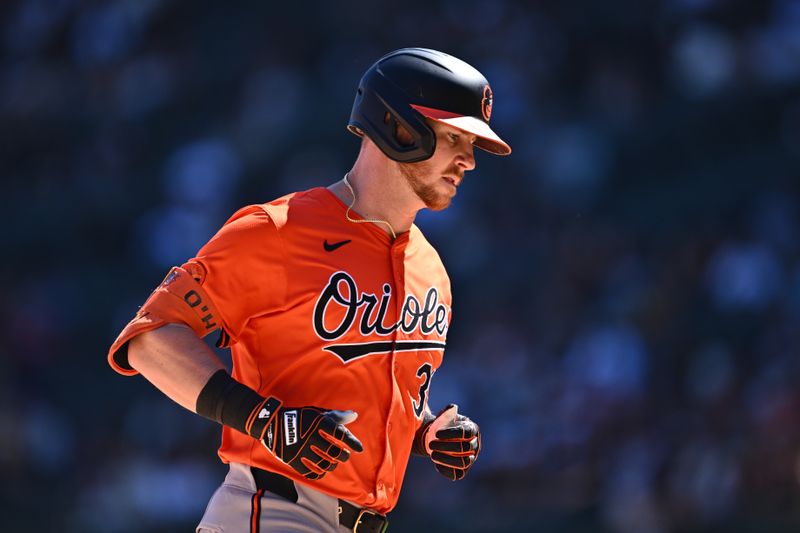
(243, 270)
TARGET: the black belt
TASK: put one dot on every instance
(358, 519)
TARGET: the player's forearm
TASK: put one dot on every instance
(175, 360)
(179, 364)
(184, 368)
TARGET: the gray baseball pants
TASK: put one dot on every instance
(238, 506)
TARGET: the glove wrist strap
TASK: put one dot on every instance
(418, 447)
(230, 403)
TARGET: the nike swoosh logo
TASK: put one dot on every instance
(334, 246)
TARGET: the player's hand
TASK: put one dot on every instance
(453, 442)
(311, 440)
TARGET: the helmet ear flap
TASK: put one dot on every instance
(377, 98)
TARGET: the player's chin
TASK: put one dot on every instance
(443, 197)
(440, 203)
(438, 196)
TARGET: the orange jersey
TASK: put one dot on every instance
(321, 311)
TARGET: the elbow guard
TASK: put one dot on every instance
(180, 299)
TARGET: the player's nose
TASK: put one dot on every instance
(466, 158)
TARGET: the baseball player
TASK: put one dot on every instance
(336, 311)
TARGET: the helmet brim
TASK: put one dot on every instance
(486, 138)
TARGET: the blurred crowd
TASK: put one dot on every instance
(626, 285)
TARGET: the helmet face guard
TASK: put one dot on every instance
(410, 85)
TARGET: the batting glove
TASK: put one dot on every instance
(311, 440)
(452, 441)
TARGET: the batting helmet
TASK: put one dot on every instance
(411, 84)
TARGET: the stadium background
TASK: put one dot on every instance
(626, 285)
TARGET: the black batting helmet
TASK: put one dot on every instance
(411, 84)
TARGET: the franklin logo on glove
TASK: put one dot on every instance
(290, 425)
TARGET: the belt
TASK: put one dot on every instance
(358, 519)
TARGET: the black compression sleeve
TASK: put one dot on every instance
(230, 403)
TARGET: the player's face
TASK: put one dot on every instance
(435, 180)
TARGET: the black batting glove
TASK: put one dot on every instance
(311, 440)
(452, 441)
